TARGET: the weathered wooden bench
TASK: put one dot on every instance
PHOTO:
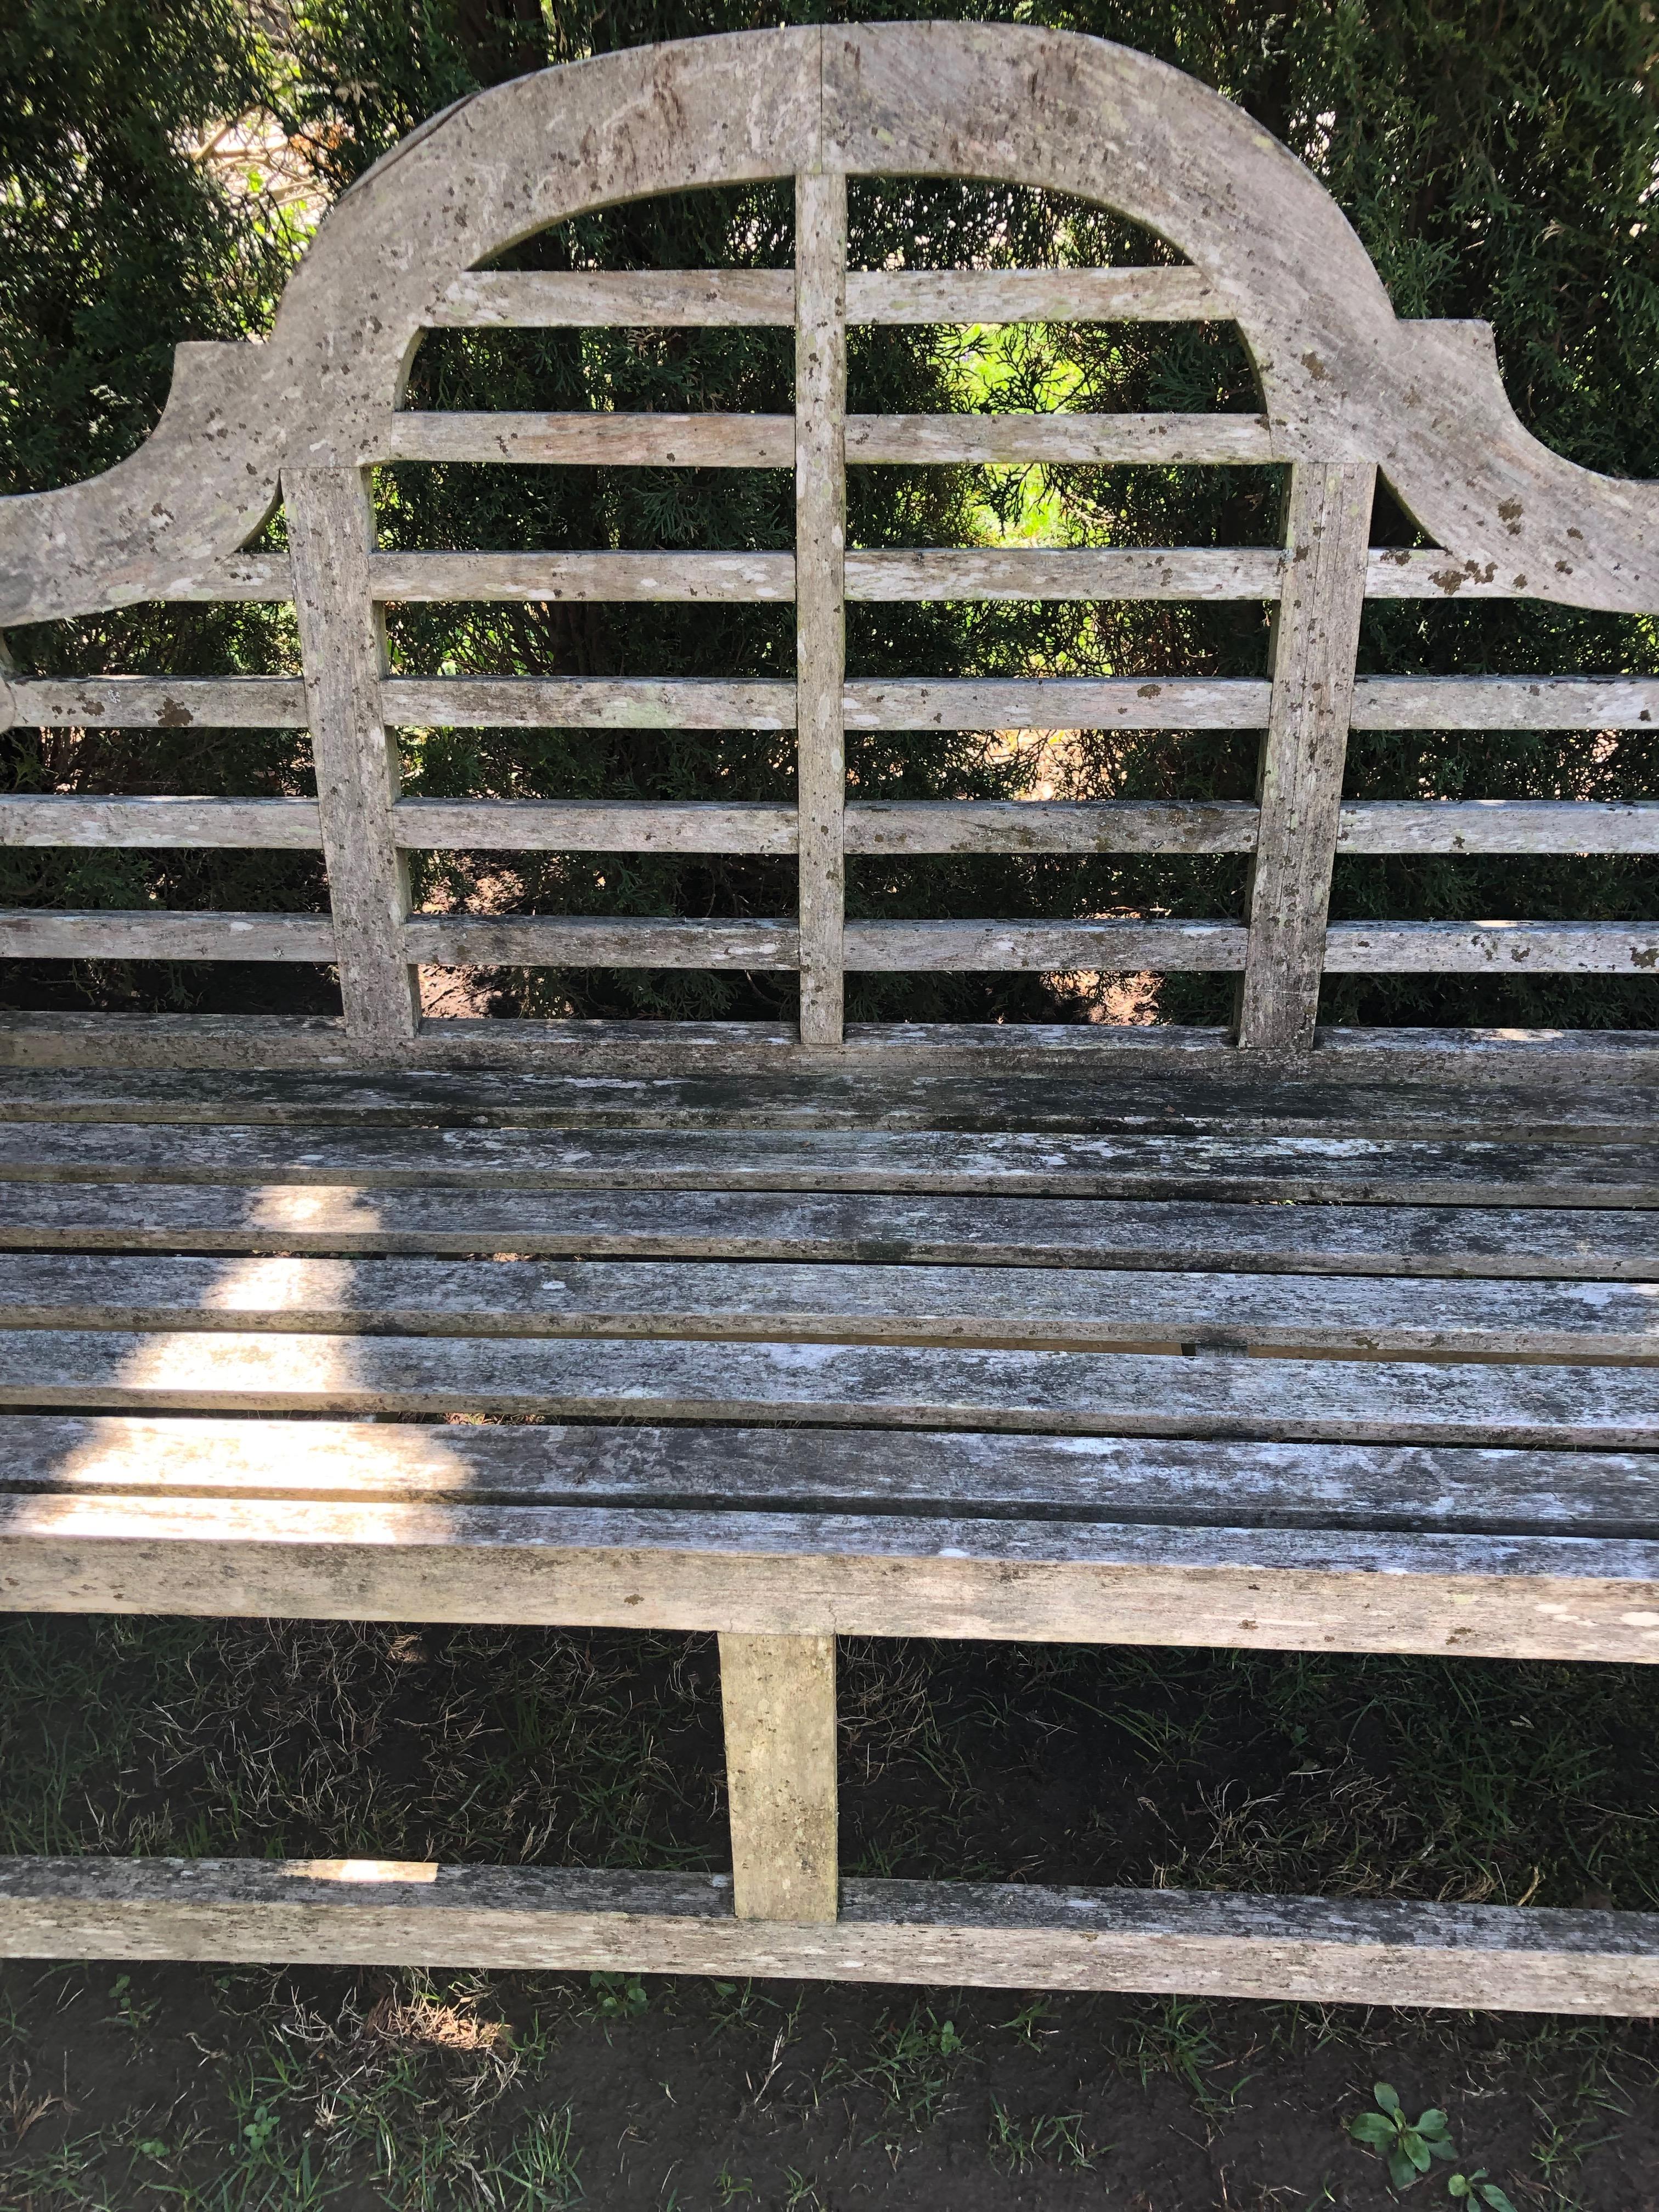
(877, 1330)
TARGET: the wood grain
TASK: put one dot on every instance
(581, 577)
(1097, 440)
(591, 825)
(778, 1702)
(790, 1573)
(1050, 825)
(1169, 572)
(853, 1385)
(820, 549)
(353, 754)
(572, 941)
(1299, 784)
(1072, 1308)
(77, 819)
(944, 1935)
(1411, 1490)
(1220, 1168)
(1332, 1239)
(1479, 947)
(149, 933)
(927, 946)
(646, 299)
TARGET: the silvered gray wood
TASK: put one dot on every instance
(330, 524)
(879, 1386)
(1316, 636)
(1219, 1168)
(1064, 1308)
(1594, 1090)
(947, 1935)
(940, 1231)
(820, 624)
(1127, 1481)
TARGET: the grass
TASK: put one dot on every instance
(258, 2092)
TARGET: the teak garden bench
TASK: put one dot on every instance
(874, 1331)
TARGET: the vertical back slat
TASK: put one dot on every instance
(342, 637)
(1314, 641)
(820, 547)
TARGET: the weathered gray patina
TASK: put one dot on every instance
(1281, 1339)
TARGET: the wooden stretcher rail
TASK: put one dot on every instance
(56, 933)
(343, 1912)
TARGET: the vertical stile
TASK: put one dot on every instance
(342, 638)
(820, 545)
(1315, 640)
(778, 1696)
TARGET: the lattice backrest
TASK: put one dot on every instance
(1346, 389)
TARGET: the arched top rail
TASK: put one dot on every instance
(1343, 379)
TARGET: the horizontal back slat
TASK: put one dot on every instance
(1211, 825)
(1381, 703)
(891, 947)
(152, 933)
(598, 440)
(644, 299)
(972, 572)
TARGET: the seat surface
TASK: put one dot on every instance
(1302, 1364)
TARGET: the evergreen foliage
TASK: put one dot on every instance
(1495, 161)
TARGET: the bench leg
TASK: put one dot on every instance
(779, 1697)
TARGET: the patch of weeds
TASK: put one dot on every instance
(732, 2188)
(618, 1996)
(1475, 2189)
(1028, 2022)
(1053, 2139)
(539, 2173)
(911, 2062)
(128, 2010)
(1178, 2037)
(268, 2171)
(1407, 2147)
(68, 2179)
(733, 2005)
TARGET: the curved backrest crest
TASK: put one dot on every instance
(1342, 379)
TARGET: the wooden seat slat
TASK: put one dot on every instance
(1326, 1100)
(863, 1385)
(1224, 1169)
(1178, 1482)
(785, 1574)
(949, 1231)
(1076, 1308)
